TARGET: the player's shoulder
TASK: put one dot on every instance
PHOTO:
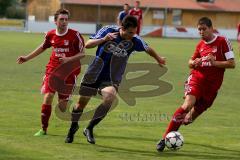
(73, 31)
(51, 32)
(111, 28)
(138, 38)
(222, 38)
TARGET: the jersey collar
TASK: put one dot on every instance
(215, 37)
(58, 34)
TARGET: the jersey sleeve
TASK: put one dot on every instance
(79, 43)
(120, 16)
(140, 44)
(196, 53)
(227, 49)
(47, 42)
(140, 16)
(101, 33)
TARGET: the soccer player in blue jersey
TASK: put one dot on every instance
(104, 74)
(122, 14)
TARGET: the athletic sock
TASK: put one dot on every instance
(99, 114)
(45, 115)
(176, 121)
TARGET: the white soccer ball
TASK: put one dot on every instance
(174, 140)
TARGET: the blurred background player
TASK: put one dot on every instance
(104, 74)
(67, 45)
(238, 37)
(212, 56)
(122, 14)
(137, 12)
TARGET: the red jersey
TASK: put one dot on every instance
(63, 45)
(138, 15)
(238, 32)
(221, 48)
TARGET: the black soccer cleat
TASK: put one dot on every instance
(161, 145)
(89, 135)
(71, 132)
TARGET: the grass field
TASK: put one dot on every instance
(215, 135)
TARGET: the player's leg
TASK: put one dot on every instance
(191, 116)
(177, 119)
(76, 114)
(201, 106)
(45, 113)
(108, 97)
(86, 92)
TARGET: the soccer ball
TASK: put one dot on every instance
(174, 140)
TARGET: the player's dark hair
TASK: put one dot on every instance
(129, 22)
(205, 20)
(126, 4)
(61, 11)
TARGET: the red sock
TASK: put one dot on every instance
(176, 121)
(45, 115)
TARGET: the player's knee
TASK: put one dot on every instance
(187, 121)
(109, 98)
(187, 106)
(48, 98)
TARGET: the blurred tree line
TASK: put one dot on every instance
(13, 9)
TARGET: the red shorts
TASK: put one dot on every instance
(46, 88)
(204, 92)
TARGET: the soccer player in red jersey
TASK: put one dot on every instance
(212, 56)
(137, 12)
(238, 35)
(67, 46)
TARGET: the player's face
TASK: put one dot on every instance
(137, 4)
(128, 33)
(126, 8)
(205, 32)
(62, 22)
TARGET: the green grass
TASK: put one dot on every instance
(215, 135)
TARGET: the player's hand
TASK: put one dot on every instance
(110, 36)
(22, 59)
(197, 62)
(162, 61)
(211, 58)
(64, 59)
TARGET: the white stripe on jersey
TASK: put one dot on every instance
(229, 44)
(104, 29)
(80, 42)
(143, 42)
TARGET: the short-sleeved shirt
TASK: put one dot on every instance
(67, 44)
(112, 56)
(137, 14)
(121, 15)
(220, 47)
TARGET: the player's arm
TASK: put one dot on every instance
(161, 60)
(119, 19)
(91, 43)
(30, 56)
(77, 56)
(194, 63)
(228, 53)
(229, 63)
(224, 64)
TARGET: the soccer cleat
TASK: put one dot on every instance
(89, 134)
(40, 133)
(70, 136)
(161, 145)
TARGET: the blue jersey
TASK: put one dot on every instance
(121, 15)
(112, 56)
